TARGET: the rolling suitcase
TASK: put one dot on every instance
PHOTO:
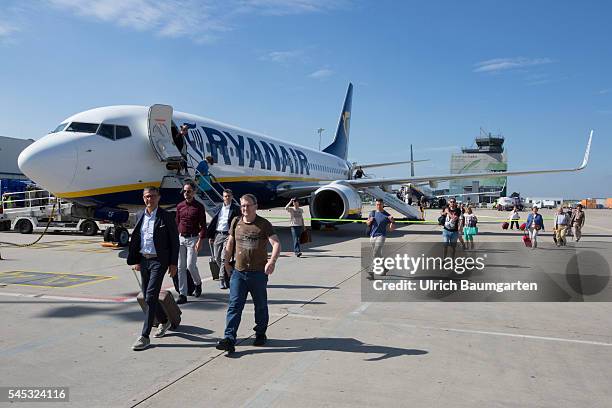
(166, 301)
(505, 225)
(212, 264)
(527, 241)
(169, 306)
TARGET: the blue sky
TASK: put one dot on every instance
(426, 73)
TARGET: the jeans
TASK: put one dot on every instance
(512, 223)
(241, 283)
(152, 272)
(187, 260)
(450, 237)
(296, 230)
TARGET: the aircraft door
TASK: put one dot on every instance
(160, 133)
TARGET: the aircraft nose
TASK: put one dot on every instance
(50, 162)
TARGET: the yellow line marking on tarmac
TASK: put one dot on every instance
(60, 276)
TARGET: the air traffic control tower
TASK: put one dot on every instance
(488, 155)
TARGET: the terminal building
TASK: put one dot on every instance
(9, 151)
(488, 155)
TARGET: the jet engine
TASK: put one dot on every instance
(335, 201)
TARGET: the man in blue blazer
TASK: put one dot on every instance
(153, 249)
(218, 231)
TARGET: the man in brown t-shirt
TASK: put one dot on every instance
(249, 236)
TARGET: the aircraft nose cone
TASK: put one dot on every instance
(50, 162)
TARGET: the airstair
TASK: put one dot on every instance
(391, 200)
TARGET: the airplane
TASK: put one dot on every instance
(102, 158)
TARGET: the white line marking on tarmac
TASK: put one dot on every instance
(303, 316)
(362, 308)
(491, 333)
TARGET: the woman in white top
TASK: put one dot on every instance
(514, 217)
(470, 229)
(297, 224)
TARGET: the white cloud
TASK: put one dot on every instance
(7, 29)
(506, 64)
(604, 91)
(283, 57)
(200, 20)
(290, 7)
(321, 74)
(166, 18)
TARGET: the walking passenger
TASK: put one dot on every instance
(296, 223)
(514, 218)
(378, 223)
(191, 222)
(534, 224)
(218, 232)
(153, 249)
(577, 221)
(450, 231)
(560, 226)
(248, 240)
(470, 229)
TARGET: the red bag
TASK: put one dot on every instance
(505, 225)
(523, 226)
(527, 241)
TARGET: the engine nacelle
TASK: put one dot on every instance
(335, 201)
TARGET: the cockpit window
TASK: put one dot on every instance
(60, 127)
(107, 131)
(114, 132)
(82, 127)
(121, 132)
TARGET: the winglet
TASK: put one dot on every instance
(586, 153)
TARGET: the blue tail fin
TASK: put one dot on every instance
(339, 146)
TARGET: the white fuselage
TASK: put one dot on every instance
(77, 163)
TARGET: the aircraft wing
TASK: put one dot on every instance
(371, 182)
(291, 189)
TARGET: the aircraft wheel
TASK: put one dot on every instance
(122, 236)
(25, 227)
(108, 234)
(89, 228)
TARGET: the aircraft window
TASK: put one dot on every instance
(122, 132)
(82, 127)
(108, 131)
(60, 128)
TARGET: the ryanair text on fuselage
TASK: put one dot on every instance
(261, 153)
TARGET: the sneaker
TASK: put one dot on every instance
(260, 340)
(226, 344)
(141, 344)
(299, 254)
(198, 290)
(182, 299)
(162, 329)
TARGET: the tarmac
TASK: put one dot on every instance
(326, 347)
